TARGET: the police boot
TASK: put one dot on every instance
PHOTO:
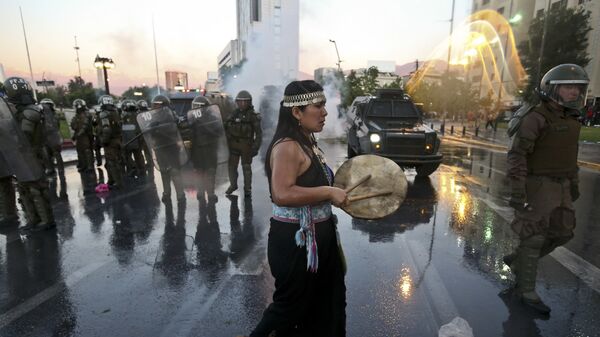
(509, 261)
(247, 169)
(60, 165)
(526, 261)
(88, 164)
(210, 186)
(26, 201)
(178, 183)
(43, 208)
(115, 180)
(166, 181)
(233, 178)
(8, 206)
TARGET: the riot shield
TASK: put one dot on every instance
(129, 132)
(159, 127)
(16, 151)
(208, 132)
(51, 130)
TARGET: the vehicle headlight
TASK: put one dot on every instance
(375, 138)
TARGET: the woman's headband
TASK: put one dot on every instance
(304, 99)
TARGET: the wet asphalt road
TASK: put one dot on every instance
(128, 265)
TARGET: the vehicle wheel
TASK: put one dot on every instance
(351, 152)
(426, 169)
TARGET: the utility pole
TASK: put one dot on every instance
(416, 65)
(339, 62)
(77, 53)
(450, 39)
(155, 56)
(28, 57)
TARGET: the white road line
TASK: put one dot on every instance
(587, 272)
(48, 293)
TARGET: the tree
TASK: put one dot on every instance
(396, 84)
(566, 42)
(78, 88)
(57, 94)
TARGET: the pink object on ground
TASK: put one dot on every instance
(102, 188)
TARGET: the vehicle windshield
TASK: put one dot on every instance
(381, 109)
(405, 110)
(398, 109)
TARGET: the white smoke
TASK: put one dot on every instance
(335, 124)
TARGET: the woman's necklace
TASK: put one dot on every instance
(321, 158)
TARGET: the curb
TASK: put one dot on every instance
(590, 165)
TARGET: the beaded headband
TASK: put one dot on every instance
(304, 99)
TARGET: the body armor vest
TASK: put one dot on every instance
(555, 151)
(240, 124)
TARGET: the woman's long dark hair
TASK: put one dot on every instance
(287, 125)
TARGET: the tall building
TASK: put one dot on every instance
(99, 79)
(267, 37)
(2, 75)
(522, 12)
(176, 79)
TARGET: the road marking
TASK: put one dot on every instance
(48, 293)
(587, 272)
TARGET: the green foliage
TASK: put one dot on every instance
(453, 95)
(355, 85)
(57, 94)
(397, 84)
(78, 88)
(566, 42)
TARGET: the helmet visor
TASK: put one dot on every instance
(571, 94)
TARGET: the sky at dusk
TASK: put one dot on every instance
(191, 34)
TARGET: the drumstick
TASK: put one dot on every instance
(368, 196)
(356, 184)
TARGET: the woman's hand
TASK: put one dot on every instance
(338, 196)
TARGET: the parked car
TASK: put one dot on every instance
(390, 125)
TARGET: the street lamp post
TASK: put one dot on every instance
(104, 63)
(339, 62)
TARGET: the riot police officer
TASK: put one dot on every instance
(143, 107)
(27, 164)
(109, 132)
(165, 140)
(244, 135)
(83, 136)
(8, 205)
(132, 147)
(206, 132)
(54, 140)
(543, 188)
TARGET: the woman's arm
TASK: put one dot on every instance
(288, 161)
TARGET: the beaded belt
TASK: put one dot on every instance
(307, 217)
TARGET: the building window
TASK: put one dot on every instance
(485, 2)
(580, 2)
(255, 10)
(559, 4)
(501, 10)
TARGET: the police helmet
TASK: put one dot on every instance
(161, 101)
(106, 100)
(18, 91)
(565, 75)
(200, 101)
(47, 101)
(142, 104)
(243, 96)
(129, 105)
(79, 104)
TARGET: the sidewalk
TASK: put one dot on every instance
(589, 153)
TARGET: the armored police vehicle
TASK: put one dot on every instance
(390, 125)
